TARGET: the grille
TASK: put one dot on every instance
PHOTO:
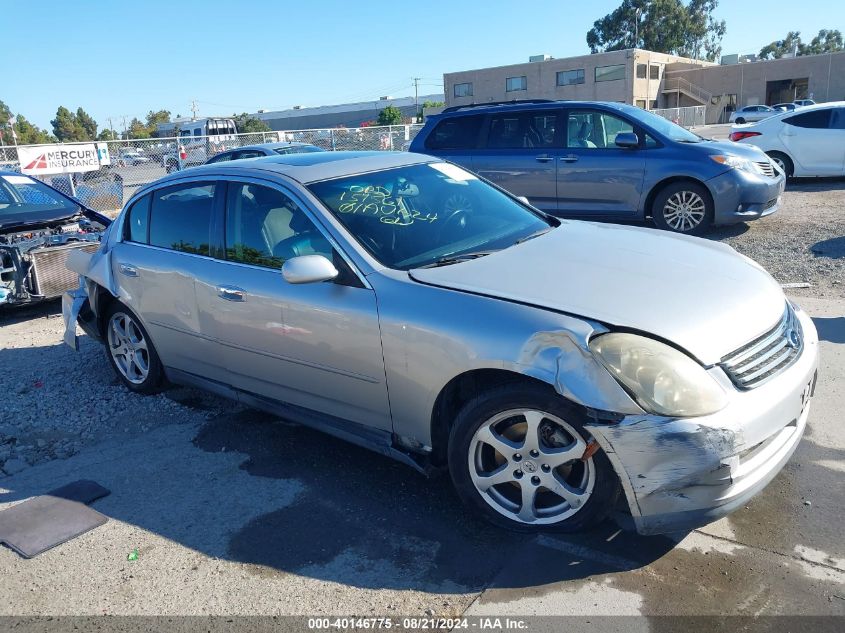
(766, 168)
(49, 274)
(766, 356)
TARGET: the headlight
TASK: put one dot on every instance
(662, 379)
(735, 162)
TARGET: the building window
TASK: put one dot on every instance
(730, 102)
(610, 73)
(462, 90)
(655, 71)
(640, 103)
(570, 77)
(513, 84)
(642, 71)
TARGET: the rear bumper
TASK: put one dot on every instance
(679, 474)
(740, 196)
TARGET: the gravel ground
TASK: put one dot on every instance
(60, 401)
(804, 242)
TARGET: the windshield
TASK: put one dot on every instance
(418, 215)
(21, 196)
(298, 149)
(663, 126)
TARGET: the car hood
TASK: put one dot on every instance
(748, 152)
(702, 296)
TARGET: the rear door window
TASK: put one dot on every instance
(522, 130)
(815, 119)
(136, 228)
(455, 133)
(180, 218)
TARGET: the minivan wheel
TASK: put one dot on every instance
(517, 455)
(784, 162)
(683, 207)
(130, 351)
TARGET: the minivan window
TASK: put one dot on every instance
(138, 221)
(264, 227)
(180, 218)
(663, 126)
(455, 133)
(522, 130)
(815, 119)
(597, 130)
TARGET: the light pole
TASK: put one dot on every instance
(637, 12)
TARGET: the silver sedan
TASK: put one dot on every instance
(751, 113)
(406, 305)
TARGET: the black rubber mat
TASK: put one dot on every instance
(41, 523)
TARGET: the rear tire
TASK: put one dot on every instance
(130, 351)
(740, 120)
(683, 207)
(784, 162)
(515, 457)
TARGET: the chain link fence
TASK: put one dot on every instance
(137, 162)
(691, 116)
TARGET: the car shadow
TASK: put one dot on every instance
(833, 248)
(10, 315)
(815, 184)
(283, 499)
(831, 329)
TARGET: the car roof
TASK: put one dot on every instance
(540, 104)
(273, 145)
(304, 168)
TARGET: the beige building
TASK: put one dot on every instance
(655, 80)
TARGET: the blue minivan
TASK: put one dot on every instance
(606, 160)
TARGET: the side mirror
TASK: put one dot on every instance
(307, 269)
(523, 200)
(627, 140)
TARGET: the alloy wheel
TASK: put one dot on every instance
(128, 348)
(527, 465)
(684, 211)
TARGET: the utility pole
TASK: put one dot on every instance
(416, 98)
(111, 128)
(194, 109)
(125, 131)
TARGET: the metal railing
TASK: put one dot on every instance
(679, 84)
(690, 116)
(137, 162)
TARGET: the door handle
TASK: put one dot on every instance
(128, 269)
(231, 293)
(569, 158)
(543, 158)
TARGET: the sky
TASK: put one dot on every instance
(123, 58)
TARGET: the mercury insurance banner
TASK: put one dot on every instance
(58, 159)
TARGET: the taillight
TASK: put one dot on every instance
(738, 136)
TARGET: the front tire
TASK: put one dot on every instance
(683, 207)
(130, 351)
(515, 456)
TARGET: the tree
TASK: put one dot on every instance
(391, 115)
(88, 125)
(249, 124)
(29, 134)
(107, 135)
(154, 118)
(665, 26)
(825, 42)
(137, 129)
(65, 126)
(777, 49)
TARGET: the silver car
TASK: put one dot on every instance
(404, 304)
(751, 113)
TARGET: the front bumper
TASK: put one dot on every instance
(76, 310)
(679, 474)
(740, 196)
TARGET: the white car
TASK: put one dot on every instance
(801, 103)
(807, 142)
(751, 113)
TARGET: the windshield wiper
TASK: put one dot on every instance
(533, 235)
(456, 259)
